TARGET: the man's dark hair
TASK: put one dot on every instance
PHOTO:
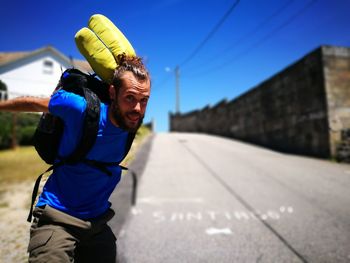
(132, 64)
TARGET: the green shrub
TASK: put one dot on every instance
(25, 135)
(5, 129)
(25, 127)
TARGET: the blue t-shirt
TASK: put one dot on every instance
(82, 190)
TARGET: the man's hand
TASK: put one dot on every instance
(26, 104)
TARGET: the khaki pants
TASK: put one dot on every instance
(59, 237)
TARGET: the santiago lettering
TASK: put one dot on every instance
(175, 216)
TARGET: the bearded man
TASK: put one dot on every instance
(71, 215)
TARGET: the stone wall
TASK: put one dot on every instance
(336, 63)
(290, 112)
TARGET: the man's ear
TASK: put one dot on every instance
(112, 92)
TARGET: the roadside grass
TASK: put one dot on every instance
(20, 164)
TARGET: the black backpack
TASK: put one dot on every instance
(48, 133)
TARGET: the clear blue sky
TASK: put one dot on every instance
(258, 39)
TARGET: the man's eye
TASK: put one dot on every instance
(129, 98)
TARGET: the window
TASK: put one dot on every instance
(3, 91)
(48, 67)
(3, 95)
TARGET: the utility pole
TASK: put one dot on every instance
(177, 80)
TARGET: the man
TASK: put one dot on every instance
(70, 218)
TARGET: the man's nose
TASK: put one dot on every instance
(137, 107)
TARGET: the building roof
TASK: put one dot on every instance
(11, 57)
(83, 65)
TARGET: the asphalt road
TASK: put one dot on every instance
(208, 199)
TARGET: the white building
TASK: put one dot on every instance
(35, 73)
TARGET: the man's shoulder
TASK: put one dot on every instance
(62, 94)
(63, 102)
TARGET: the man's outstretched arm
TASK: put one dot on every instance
(26, 104)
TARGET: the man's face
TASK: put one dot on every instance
(129, 104)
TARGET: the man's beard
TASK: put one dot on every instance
(121, 119)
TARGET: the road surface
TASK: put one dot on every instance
(204, 198)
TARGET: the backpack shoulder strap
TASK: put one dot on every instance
(90, 127)
(75, 81)
(129, 141)
(36, 189)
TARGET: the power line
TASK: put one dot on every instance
(199, 47)
(211, 33)
(258, 43)
(249, 34)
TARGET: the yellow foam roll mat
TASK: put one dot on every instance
(100, 44)
(110, 35)
(96, 53)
